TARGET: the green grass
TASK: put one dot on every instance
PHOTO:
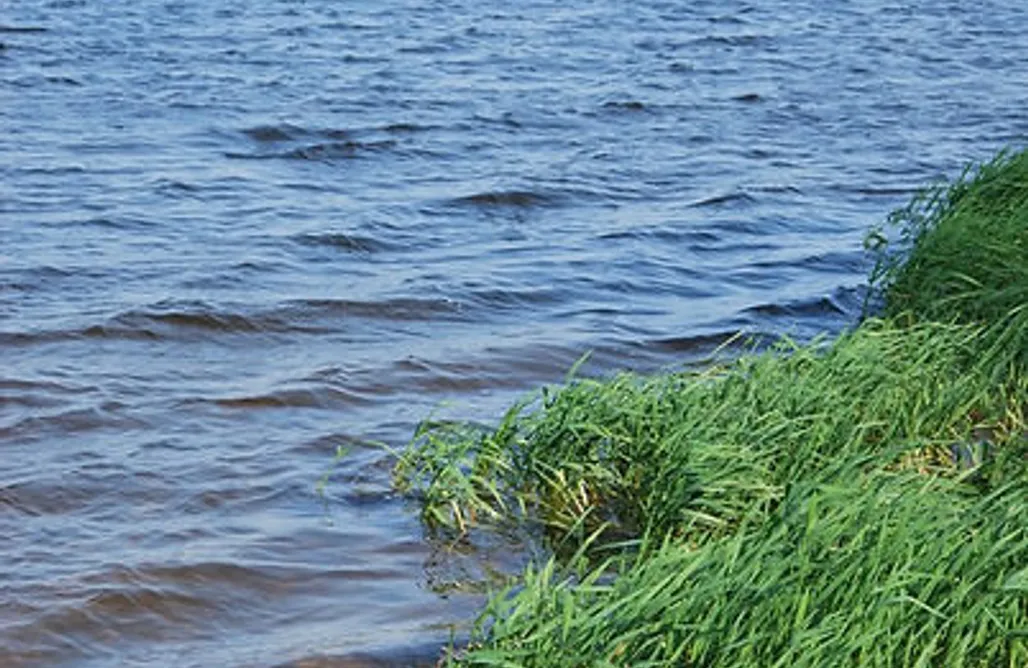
(858, 502)
(693, 454)
(963, 256)
(889, 569)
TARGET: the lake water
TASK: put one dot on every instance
(235, 236)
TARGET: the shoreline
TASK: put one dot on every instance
(855, 502)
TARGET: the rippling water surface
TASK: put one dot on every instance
(237, 236)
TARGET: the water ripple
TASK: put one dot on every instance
(240, 239)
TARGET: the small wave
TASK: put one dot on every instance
(166, 604)
(61, 170)
(425, 656)
(22, 29)
(783, 188)
(200, 319)
(828, 263)
(443, 377)
(809, 307)
(505, 299)
(104, 222)
(506, 198)
(48, 387)
(86, 485)
(157, 326)
(723, 199)
(86, 622)
(662, 234)
(324, 151)
(696, 344)
(749, 98)
(324, 397)
(160, 602)
(332, 150)
(287, 132)
(626, 105)
(342, 241)
(235, 497)
(401, 309)
(327, 444)
(29, 400)
(880, 191)
(28, 338)
(186, 321)
(404, 128)
(727, 19)
(220, 584)
(272, 133)
(367, 498)
(517, 367)
(97, 332)
(174, 188)
(731, 40)
(109, 415)
(47, 271)
(505, 120)
(34, 498)
(64, 81)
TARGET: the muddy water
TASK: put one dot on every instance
(236, 236)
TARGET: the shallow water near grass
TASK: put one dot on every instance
(236, 238)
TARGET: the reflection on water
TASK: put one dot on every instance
(238, 237)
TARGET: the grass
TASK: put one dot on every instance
(856, 502)
(891, 570)
(963, 256)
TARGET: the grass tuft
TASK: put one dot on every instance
(858, 502)
(962, 256)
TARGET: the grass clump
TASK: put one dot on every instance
(859, 502)
(962, 256)
(894, 570)
(693, 455)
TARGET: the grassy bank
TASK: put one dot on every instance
(856, 502)
(963, 257)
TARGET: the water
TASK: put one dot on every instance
(236, 236)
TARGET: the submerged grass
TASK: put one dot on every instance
(859, 502)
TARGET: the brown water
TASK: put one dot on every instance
(237, 236)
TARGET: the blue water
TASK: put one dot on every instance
(236, 236)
